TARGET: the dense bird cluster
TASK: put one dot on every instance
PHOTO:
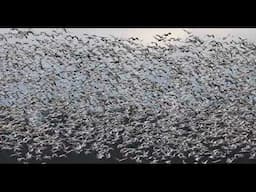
(191, 99)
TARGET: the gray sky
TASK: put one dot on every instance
(146, 34)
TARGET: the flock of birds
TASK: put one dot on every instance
(187, 100)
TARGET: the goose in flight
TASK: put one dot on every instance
(134, 38)
(167, 34)
(186, 31)
(211, 36)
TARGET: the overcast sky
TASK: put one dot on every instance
(147, 33)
